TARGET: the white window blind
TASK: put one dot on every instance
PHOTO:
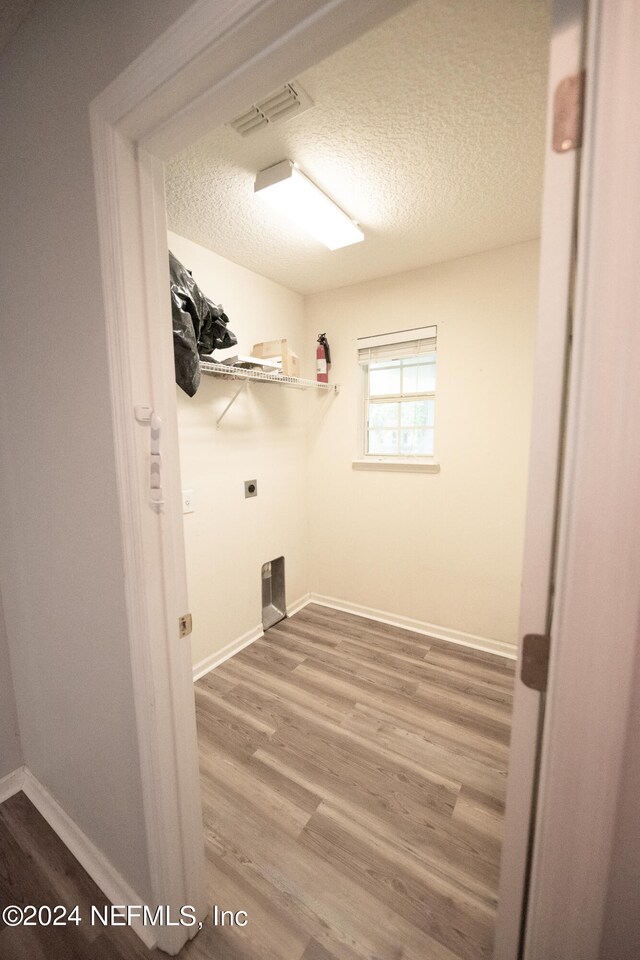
(397, 346)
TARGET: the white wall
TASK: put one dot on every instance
(10, 749)
(263, 437)
(444, 548)
(621, 928)
(61, 568)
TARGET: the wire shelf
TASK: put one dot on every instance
(226, 372)
(239, 373)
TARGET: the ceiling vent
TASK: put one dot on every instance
(284, 103)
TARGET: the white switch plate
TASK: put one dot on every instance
(187, 501)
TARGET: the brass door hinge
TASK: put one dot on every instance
(534, 670)
(185, 625)
(568, 110)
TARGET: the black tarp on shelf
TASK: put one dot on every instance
(199, 326)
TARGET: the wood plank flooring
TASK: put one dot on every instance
(36, 868)
(353, 781)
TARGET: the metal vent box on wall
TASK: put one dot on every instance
(274, 604)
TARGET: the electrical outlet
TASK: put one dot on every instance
(250, 488)
(187, 501)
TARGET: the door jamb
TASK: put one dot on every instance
(594, 655)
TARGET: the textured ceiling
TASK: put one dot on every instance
(428, 130)
(12, 13)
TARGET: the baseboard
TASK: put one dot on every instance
(205, 666)
(298, 605)
(101, 871)
(11, 784)
(210, 663)
(486, 644)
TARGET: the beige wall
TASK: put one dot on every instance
(10, 750)
(621, 927)
(263, 437)
(441, 549)
(444, 549)
(61, 568)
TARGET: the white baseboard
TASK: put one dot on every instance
(205, 666)
(11, 784)
(299, 604)
(486, 644)
(101, 871)
(210, 663)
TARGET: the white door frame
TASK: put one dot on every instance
(217, 57)
(198, 74)
(596, 606)
(596, 619)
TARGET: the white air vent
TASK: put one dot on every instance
(285, 102)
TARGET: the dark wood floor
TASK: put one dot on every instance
(353, 780)
(36, 868)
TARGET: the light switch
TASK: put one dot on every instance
(187, 501)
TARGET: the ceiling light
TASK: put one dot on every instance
(288, 190)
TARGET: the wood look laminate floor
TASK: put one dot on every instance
(353, 781)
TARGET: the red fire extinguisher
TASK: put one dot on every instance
(323, 359)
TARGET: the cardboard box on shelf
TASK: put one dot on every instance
(290, 364)
(270, 348)
(279, 352)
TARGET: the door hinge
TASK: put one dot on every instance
(568, 109)
(535, 661)
(185, 625)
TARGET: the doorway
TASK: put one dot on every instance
(172, 484)
(433, 543)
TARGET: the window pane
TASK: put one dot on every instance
(419, 376)
(417, 413)
(416, 443)
(383, 442)
(384, 378)
(383, 415)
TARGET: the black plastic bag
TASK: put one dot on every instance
(199, 326)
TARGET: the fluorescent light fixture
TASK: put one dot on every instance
(288, 190)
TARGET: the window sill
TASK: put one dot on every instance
(403, 466)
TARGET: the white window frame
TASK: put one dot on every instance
(382, 347)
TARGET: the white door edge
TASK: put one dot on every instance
(556, 265)
(160, 668)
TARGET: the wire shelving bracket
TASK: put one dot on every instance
(259, 376)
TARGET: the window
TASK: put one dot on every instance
(399, 372)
